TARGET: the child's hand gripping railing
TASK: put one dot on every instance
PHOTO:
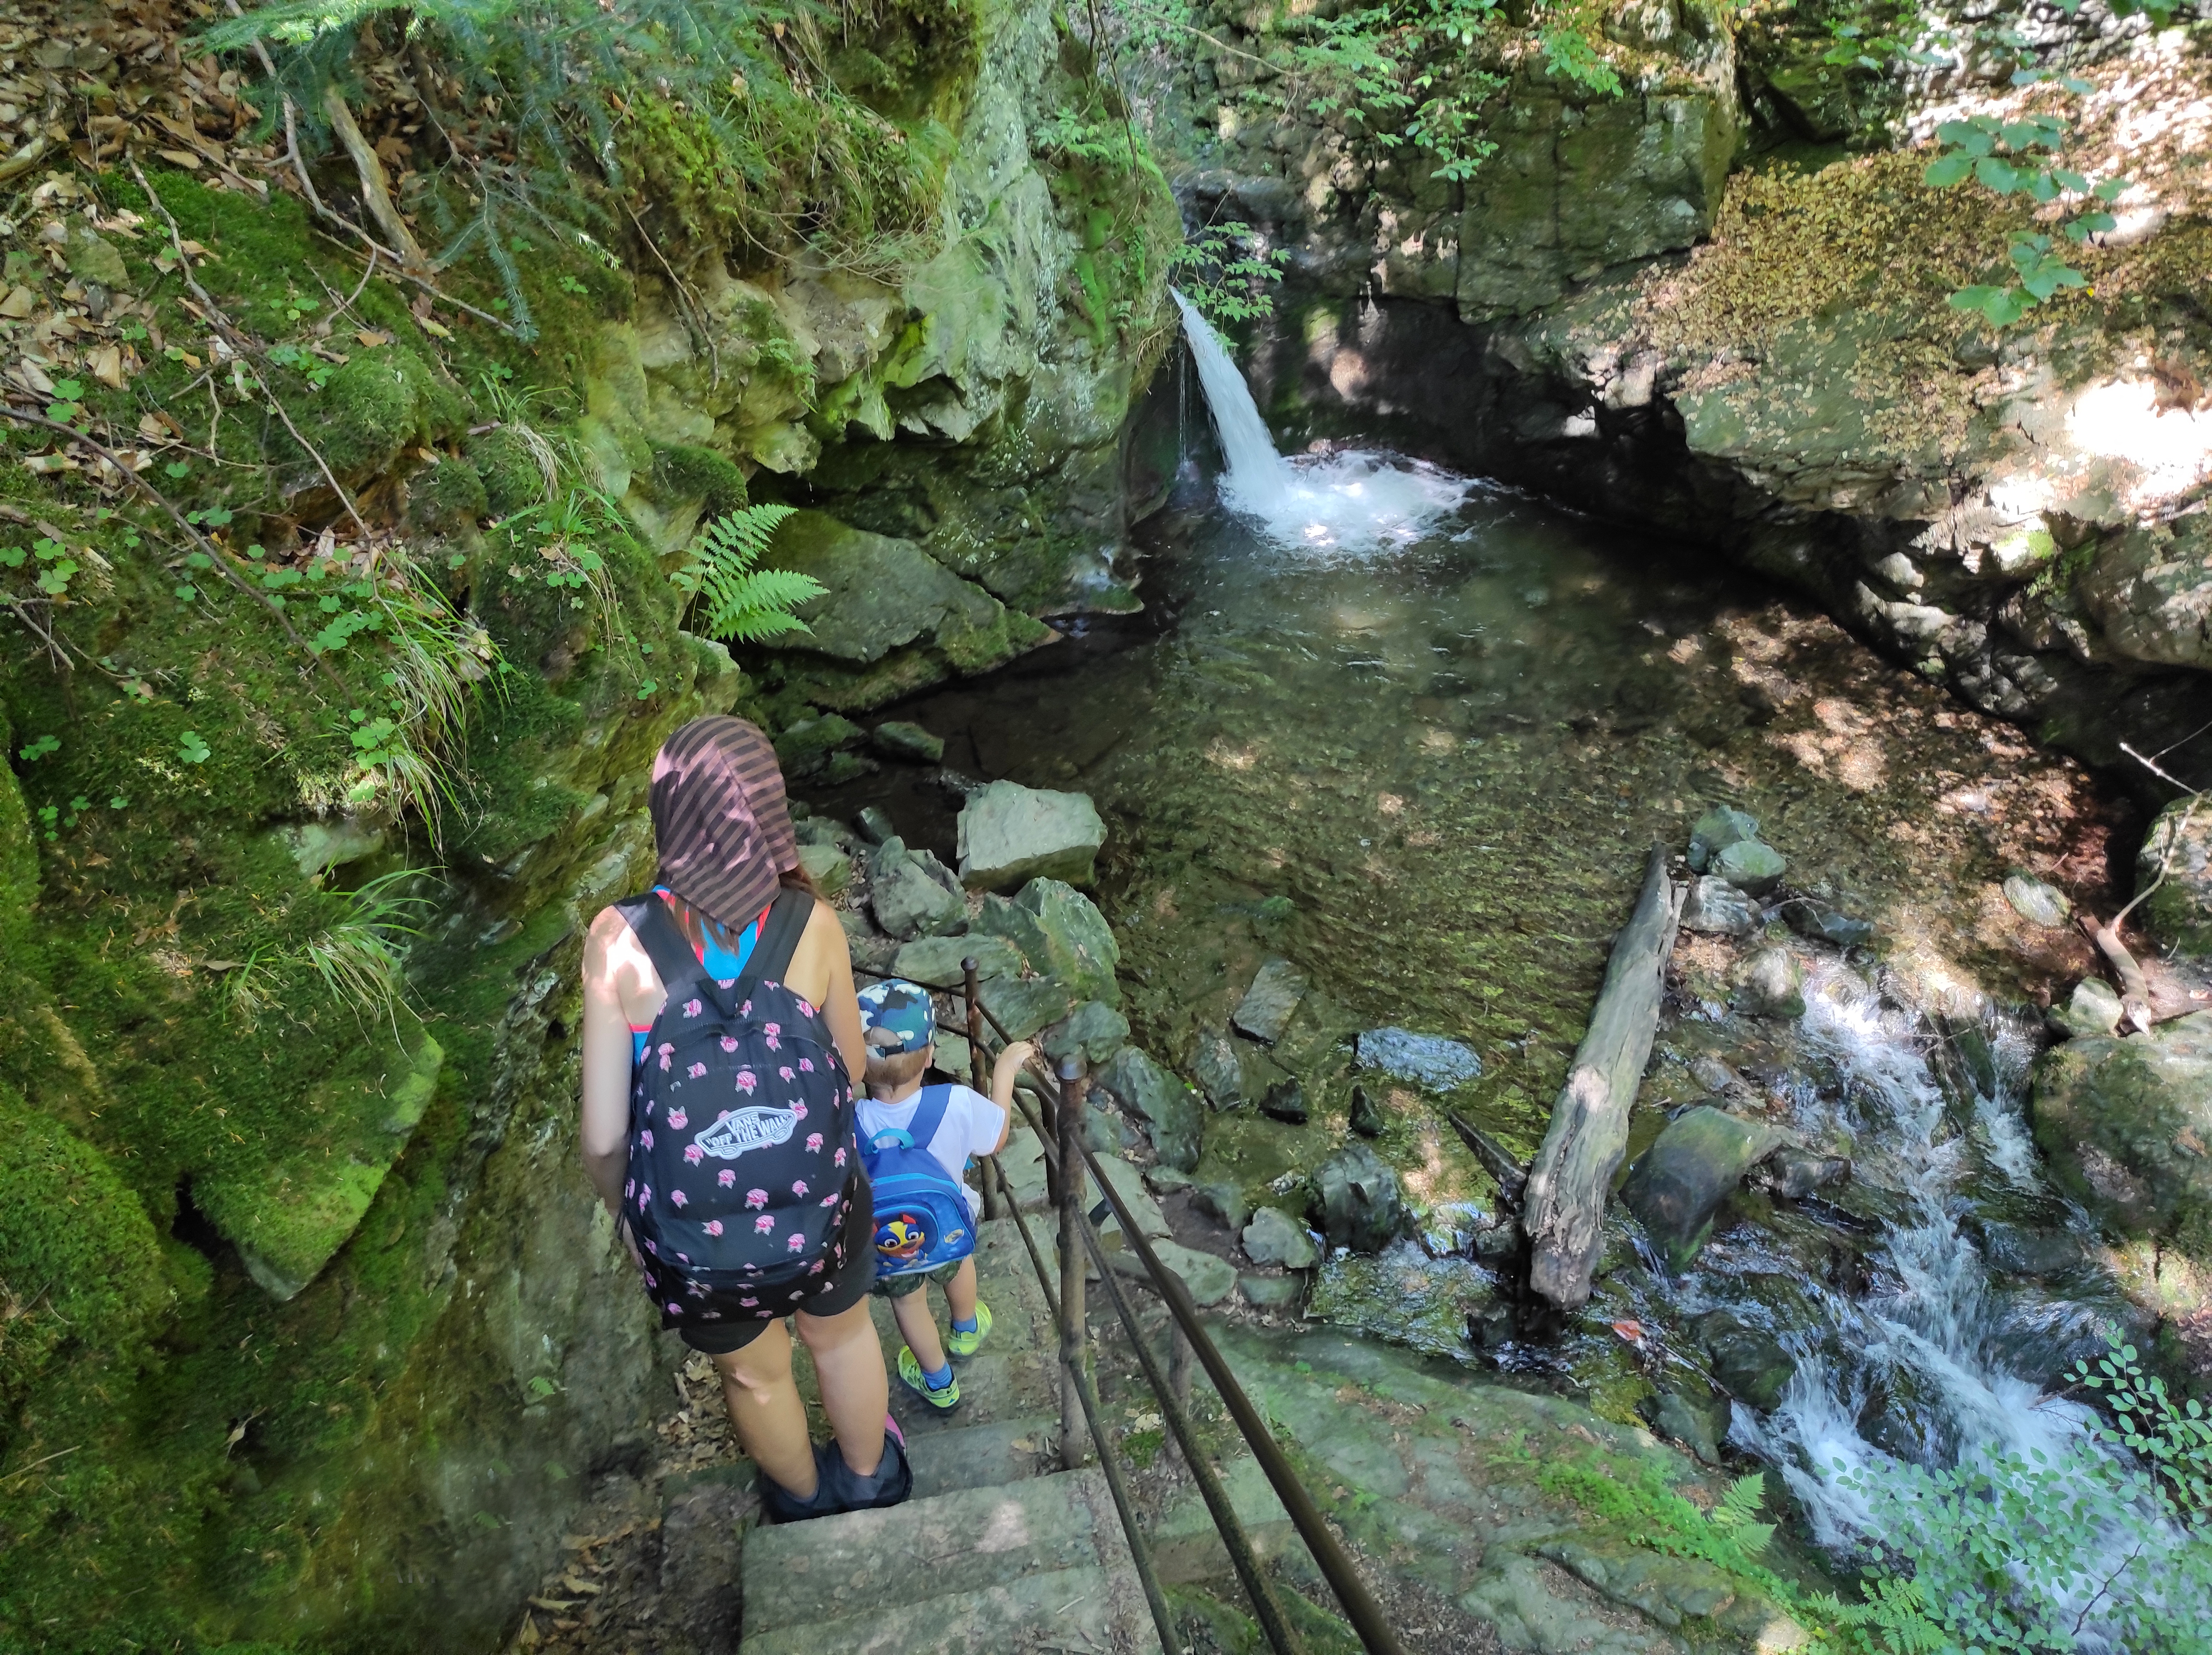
(1060, 1135)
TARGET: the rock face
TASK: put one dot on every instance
(1170, 1111)
(2092, 1011)
(1715, 832)
(1361, 1207)
(1680, 1182)
(2179, 845)
(1008, 833)
(1428, 1060)
(2126, 1126)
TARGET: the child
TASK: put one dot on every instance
(900, 1028)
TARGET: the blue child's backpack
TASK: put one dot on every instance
(922, 1219)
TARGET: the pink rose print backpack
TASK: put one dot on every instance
(742, 1158)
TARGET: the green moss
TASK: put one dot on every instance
(446, 498)
(380, 402)
(682, 473)
(509, 467)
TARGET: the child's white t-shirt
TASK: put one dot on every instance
(971, 1126)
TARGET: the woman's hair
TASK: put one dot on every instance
(897, 1068)
(796, 878)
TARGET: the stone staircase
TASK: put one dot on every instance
(997, 1551)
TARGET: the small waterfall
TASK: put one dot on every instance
(1350, 501)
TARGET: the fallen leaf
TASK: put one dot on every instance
(1630, 1330)
(107, 365)
(372, 337)
(18, 304)
(557, 1605)
(183, 158)
(436, 330)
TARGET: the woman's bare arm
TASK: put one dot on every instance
(831, 955)
(613, 963)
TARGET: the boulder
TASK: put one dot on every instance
(1061, 934)
(2038, 900)
(1008, 833)
(1207, 1279)
(874, 824)
(1129, 1183)
(1752, 866)
(1286, 1100)
(1819, 922)
(1361, 1207)
(896, 739)
(938, 961)
(2180, 913)
(1266, 1008)
(1718, 908)
(1793, 1174)
(822, 831)
(1772, 985)
(1094, 1030)
(2126, 1126)
(1273, 1237)
(1223, 1201)
(909, 902)
(1366, 1119)
(1716, 831)
(1024, 1005)
(1216, 1067)
(1751, 1365)
(1169, 1109)
(1426, 1060)
(829, 868)
(1680, 1182)
(803, 750)
(2094, 1010)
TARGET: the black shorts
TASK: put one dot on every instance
(848, 1288)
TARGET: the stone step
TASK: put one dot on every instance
(964, 1569)
(982, 1456)
(1086, 1609)
(1011, 1377)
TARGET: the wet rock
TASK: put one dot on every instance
(2038, 900)
(1169, 1109)
(804, 748)
(1061, 934)
(874, 824)
(829, 868)
(1749, 1365)
(1793, 1174)
(2092, 1010)
(1094, 1030)
(2126, 1127)
(938, 960)
(907, 901)
(1008, 833)
(1361, 1207)
(1024, 1005)
(1718, 909)
(1815, 920)
(1208, 1279)
(2180, 913)
(1753, 867)
(896, 739)
(1715, 1076)
(821, 830)
(1273, 1237)
(1772, 985)
(1217, 1069)
(1285, 1102)
(1715, 832)
(1694, 1423)
(1426, 1060)
(1366, 1118)
(2022, 1250)
(1271, 1292)
(1264, 1010)
(1680, 1182)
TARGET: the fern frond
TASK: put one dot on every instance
(739, 602)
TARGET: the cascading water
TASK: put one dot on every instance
(1352, 500)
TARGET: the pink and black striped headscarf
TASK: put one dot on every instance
(720, 820)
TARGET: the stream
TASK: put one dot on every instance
(1413, 732)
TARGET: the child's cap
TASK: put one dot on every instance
(897, 1016)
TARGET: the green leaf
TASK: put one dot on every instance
(1997, 175)
(1948, 170)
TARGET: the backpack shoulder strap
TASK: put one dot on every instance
(929, 1116)
(786, 922)
(663, 940)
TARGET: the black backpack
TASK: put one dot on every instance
(742, 1158)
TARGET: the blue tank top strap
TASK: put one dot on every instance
(721, 963)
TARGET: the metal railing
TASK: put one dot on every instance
(1067, 1158)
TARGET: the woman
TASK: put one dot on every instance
(727, 855)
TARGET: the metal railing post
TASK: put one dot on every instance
(994, 1198)
(1074, 1343)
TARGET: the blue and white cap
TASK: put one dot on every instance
(896, 1016)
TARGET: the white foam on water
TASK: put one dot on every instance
(1351, 501)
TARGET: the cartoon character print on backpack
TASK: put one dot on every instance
(737, 1212)
(922, 1216)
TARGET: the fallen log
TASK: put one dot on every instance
(1509, 1174)
(1563, 1207)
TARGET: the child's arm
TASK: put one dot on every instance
(1002, 1086)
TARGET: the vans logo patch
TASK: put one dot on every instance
(747, 1129)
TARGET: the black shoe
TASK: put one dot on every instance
(891, 1483)
(780, 1505)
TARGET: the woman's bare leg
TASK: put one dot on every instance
(856, 1394)
(766, 1413)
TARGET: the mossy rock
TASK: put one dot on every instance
(508, 467)
(377, 405)
(683, 474)
(446, 497)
